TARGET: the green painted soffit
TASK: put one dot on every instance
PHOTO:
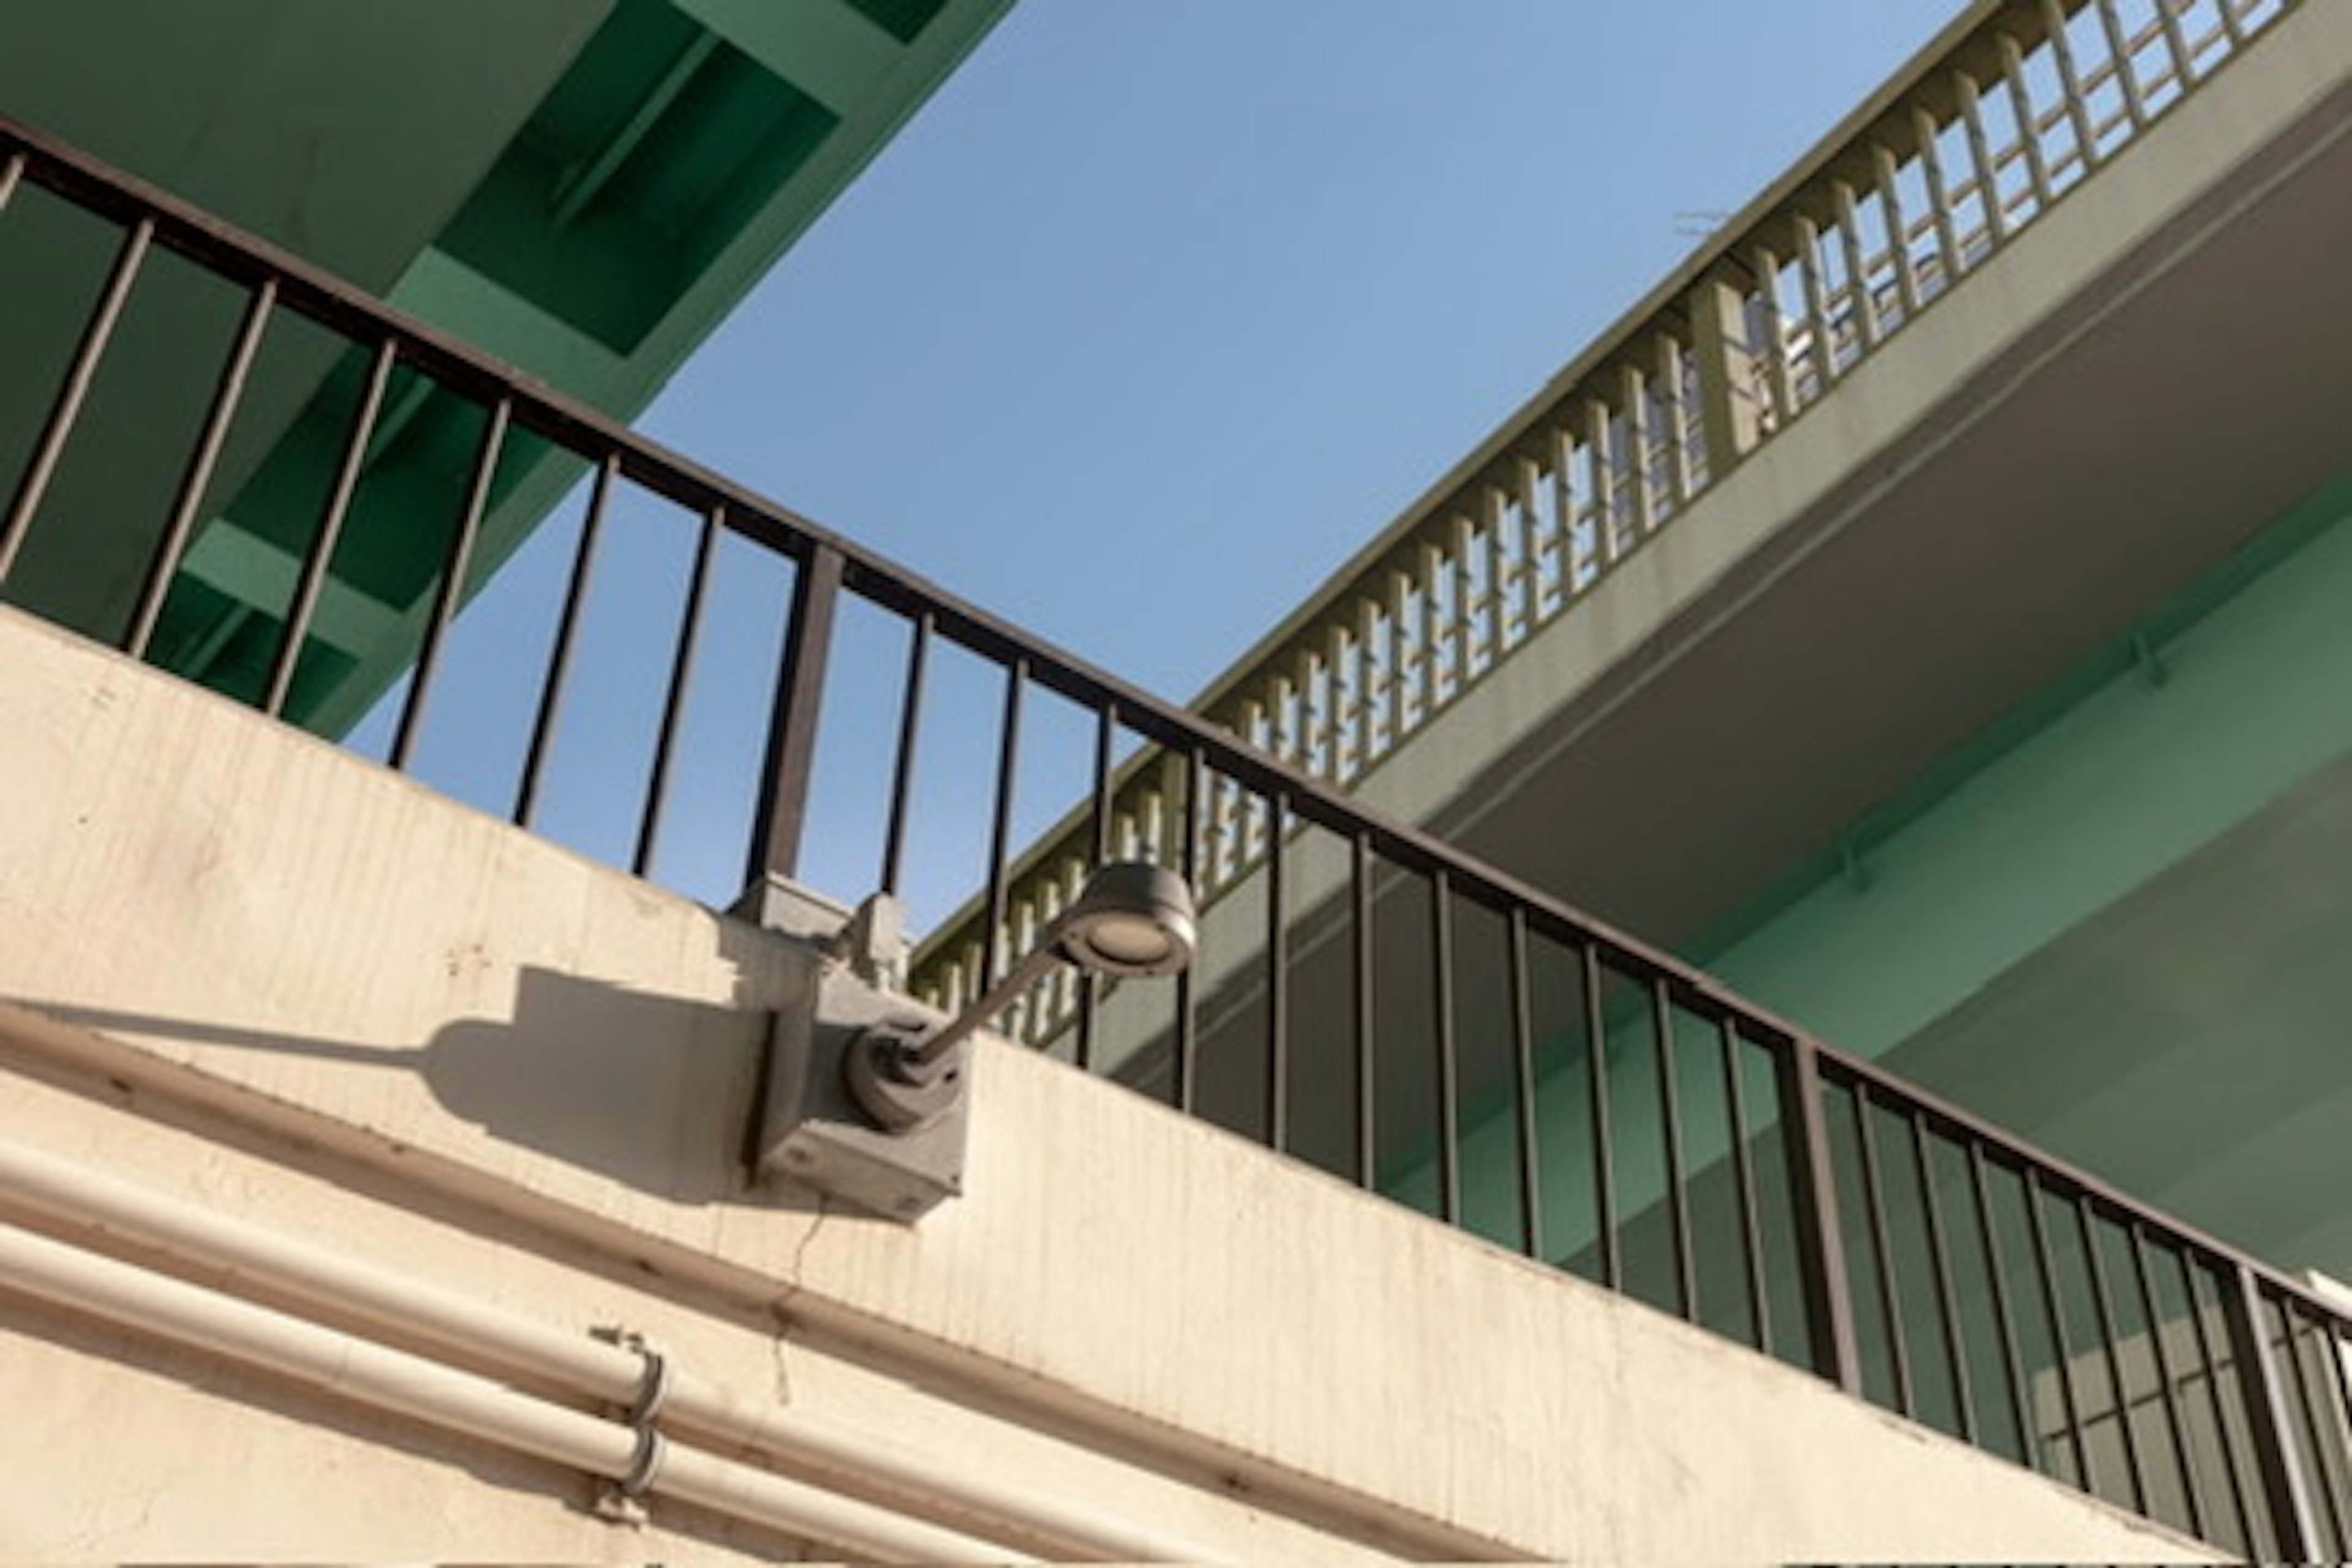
(2140, 648)
(687, 148)
(689, 143)
(2075, 1090)
(583, 188)
(651, 156)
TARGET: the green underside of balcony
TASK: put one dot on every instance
(2111, 920)
(582, 187)
(2114, 919)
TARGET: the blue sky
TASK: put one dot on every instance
(1160, 308)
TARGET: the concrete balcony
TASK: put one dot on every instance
(290, 1008)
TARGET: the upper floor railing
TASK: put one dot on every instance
(2018, 102)
(1370, 999)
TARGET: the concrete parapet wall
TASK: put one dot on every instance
(247, 971)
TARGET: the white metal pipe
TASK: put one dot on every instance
(386, 1379)
(422, 1313)
(85, 1198)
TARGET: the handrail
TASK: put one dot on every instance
(2014, 104)
(2249, 1365)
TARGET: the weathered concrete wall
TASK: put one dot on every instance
(248, 970)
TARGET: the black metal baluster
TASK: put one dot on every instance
(198, 476)
(1523, 1083)
(67, 408)
(321, 559)
(1661, 1037)
(2233, 1472)
(902, 769)
(1881, 1250)
(1604, 1180)
(1939, 1255)
(2319, 1481)
(1743, 1170)
(454, 567)
(1277, 976)
(1188, 1025)
(1820, 1244)
(2111, 1344)
(2047, 1269)
(2293, 1526)
(567, 630)
(1449, 1085)
(2028, 1437)
(2167, 1378)
(681, 675)
(798, 706)
(1360, 884)
(1097, 854)
(1000, 831)
(2332, 1347)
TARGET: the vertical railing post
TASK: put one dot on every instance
(1729, 375)
(1448, 1049)
(319, 562)
(1812, 1192)
(1098, 854)
(2292, 1518)
(1196, 864)
(96, 334)
(1278, 976)
(447, 592)
(164, 566)
(792, 729)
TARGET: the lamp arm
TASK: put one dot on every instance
(1041, 962)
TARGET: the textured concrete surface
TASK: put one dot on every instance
(250, 970)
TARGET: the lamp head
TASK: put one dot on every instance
(1132, 917)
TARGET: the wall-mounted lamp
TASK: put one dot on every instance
(867, 1102)
(1131, 919)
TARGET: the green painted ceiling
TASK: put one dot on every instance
(582, 187)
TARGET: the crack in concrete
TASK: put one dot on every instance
(800, 1252)
(780, 1308)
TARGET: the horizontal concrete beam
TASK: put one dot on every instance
(393, 994)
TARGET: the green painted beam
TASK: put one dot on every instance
(824, 48)
(582, 187)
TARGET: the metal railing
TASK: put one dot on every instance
(1369, 998)
(2016, 104)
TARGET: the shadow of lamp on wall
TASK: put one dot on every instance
(865, 1096)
